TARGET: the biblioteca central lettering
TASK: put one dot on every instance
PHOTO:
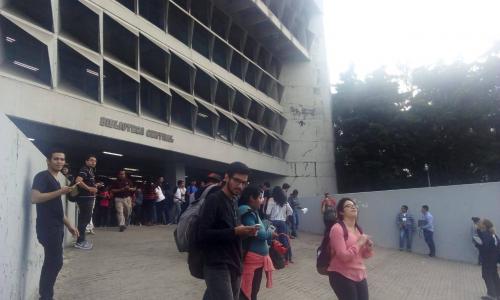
(123, 126)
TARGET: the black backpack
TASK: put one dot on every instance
(323, 253)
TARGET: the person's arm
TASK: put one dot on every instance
(270, 206)
(248, 219)
(289, 210)
(82, 184)
(429, 220)
(38, 197)
(71, 228)
(367, 249)
(338, 244)
(207, 218)
(323, 203)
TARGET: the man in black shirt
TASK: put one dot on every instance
(50, 221)
(85, 200)
(220, 235)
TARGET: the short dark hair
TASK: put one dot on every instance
(295, 192)
(52, 151)
(251, 191)
(285, 186)
(213, 177)
(89, 156)
(405, 207)
(237, 168)
(179, 182)
(267, 184)
(426, 207)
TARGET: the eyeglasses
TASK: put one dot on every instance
(239, 181)
(351, 206)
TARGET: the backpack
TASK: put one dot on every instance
(185, 233)
(277, 253)
(323, 253)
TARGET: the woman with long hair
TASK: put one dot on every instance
(349, 247)
(256, 258)
(488, 250)
(278, 211)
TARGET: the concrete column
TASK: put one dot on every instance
(175, 171)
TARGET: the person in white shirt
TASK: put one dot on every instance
(278, 211)
(179, 199)
(160, 203)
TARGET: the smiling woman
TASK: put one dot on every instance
(373, 34)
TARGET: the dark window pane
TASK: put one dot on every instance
(23, 55)
(181, 112)
(154, 11)
(268, 146)
(79, 23)
(220, 53)
(235, 36)
(183, 3)
(241, 103)
(237, 65)
(36, 11)
(178, 24)
(241, 135)
(256, 141)
(254, 114)
(224, 129)
(202, 85)
(219, 23)
(77, 73)
(180, 73)
(130, 4)
(250, 48)
(154, 60)
(201, 40)
(204, 121)
(222, 95)
(120, 43)
(119, 89)
(269, 119)
(200, 9)
(154, 102)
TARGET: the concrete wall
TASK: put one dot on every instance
(451, 206)
(307, 105)
(21, 256)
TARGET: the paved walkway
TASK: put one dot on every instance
(143, 263)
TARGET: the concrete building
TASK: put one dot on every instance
(177, 87)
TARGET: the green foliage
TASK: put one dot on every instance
(448, 116)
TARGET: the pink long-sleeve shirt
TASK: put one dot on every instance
(347, 256)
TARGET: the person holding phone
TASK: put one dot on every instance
(256, 258)
(46, 193)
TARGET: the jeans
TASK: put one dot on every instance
(429, 239)
(176, 212)
(404, 238)
(490, 275)
(347, 289)
(295, 222)
(281, 228)
(161, 217)
(85, 206)
(52, 262)
(223, 283)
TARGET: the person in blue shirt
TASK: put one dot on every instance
(426, 223)
(406, 226)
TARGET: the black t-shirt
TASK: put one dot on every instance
(50, 214)
(87, 173)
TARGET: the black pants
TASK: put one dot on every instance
(148, 207)
(347, 289)
(52, 262)
(85, 205)
(103, 216)
(491, 279)
(223, 283)
(429, 239)
(161, 216)
(257, 279)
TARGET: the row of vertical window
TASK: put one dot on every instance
(25, 53)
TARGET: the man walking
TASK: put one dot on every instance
(123, 190)
(405, 224)
(220, 236)
(426, 223)
(296, 207)
(85, 200)
(46, 193)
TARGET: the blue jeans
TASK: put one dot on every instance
(429, 239)
(223, 283)
(404, 236)
(295, 222)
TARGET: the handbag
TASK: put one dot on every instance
(277, 253)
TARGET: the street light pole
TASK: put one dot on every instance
(426, 168)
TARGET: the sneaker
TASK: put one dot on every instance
(91, 231)
(122, 228)
(85, 245)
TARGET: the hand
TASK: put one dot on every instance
(369, 244)
(92, 190)
(74, 232)
(66, 189)
(275, 235)
(245, 230)
(362, 240)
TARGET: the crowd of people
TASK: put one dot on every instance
(242, 231)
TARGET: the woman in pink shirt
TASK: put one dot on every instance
(349, 247)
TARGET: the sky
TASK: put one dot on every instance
(370, 34)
